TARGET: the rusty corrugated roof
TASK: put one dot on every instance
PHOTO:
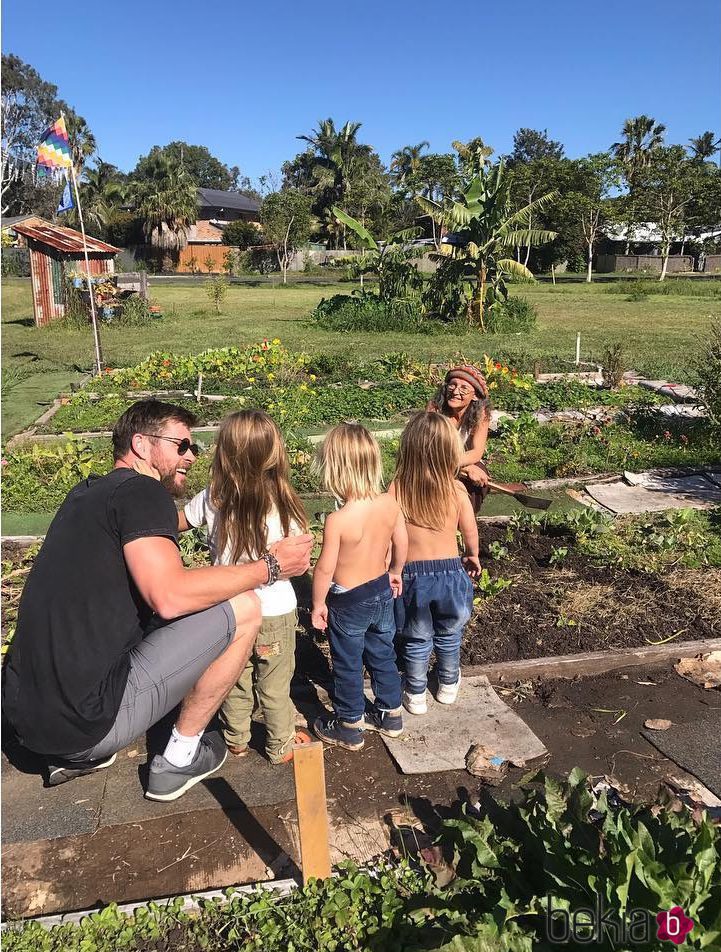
(60, 238)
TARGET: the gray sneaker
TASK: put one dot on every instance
(167, 782)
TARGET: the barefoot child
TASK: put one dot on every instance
(437, 596)
(353, 588)
(249, 505)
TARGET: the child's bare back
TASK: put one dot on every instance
(363, 529)
(425, 543)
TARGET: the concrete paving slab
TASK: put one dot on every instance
(660, 493)
(440, 739)
(31, 811)
(693, 746)
(250, 781)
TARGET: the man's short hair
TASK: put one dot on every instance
(149, 417)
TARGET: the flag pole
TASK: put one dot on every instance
(96, 331)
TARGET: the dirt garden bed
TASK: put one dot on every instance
(576, 604)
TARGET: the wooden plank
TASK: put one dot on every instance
(309, 773)
(591, 662)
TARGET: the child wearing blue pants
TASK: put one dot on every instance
(437, 592)
(354, 589)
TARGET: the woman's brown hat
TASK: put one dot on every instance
(471, 375)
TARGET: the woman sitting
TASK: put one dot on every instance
(463, 398)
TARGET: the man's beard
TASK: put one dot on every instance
(168, 480)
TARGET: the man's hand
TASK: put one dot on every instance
(145, 469)
(319, 618)
(396, 580)
(293, 555)
(472, 565)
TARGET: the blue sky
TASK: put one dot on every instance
(244, 78)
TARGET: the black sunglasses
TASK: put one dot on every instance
(183, 445)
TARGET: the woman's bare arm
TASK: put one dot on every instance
(478, 443)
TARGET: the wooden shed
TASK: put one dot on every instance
(52, 249)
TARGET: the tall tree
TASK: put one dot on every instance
(530, 144)
(201, 165)
(641, 136)
(435, 179)
(287, 221)
(103, 190)
(705, 146)
(405, 163)
(29, 105)
(584, 208)
(166, 203)
(665, 188)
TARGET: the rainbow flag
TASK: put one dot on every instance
(54, 150)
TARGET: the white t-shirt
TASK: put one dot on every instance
(277, 599)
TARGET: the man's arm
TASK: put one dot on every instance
(172, 590)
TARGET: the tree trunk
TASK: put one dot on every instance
(589, 273)
(477, 303)
(664, 266)
(528, 246)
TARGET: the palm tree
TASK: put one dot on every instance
(337, 153)
(641, 136)
(406, 162)
(166, 202)
(82, 141)
(102, 194)
(705, 146)
(484, 233)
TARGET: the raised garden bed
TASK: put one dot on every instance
(563, 599)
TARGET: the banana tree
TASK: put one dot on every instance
(483, 234)
(390, 260)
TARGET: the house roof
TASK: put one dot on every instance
(205, 232)
(59, 237)
(216, 198)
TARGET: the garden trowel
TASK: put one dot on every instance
(516, 490)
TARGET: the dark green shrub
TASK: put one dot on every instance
(707, 370)
(366, 312)
(242, 234)
(514, 316)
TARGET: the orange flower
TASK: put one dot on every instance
(498, 366)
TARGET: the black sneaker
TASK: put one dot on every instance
(167, 782)
(384, 722)
(60, 771)
(333, 731)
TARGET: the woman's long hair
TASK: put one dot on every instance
(476, 410)
(250, 476)
(428, 461)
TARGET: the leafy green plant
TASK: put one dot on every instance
(490, 587)
(614, 366)
(516, 315)
(367, 312)
(497, 550)
(707, 370)
(217, 290)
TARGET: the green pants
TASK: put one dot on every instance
(269, 670)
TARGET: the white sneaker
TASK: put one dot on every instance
(447, 693)
(415, 703)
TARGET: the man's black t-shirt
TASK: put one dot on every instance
(81, 613)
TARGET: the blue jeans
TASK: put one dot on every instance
(361, 627)
(431, 614)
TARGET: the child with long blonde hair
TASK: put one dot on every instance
(356, 578)
(437, 596)
(248, 505)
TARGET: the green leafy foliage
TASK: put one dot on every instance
(497, 872)
(516, 315)
(367, 312)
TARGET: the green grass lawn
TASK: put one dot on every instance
(659, 334)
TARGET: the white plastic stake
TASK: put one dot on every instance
(578, 348)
